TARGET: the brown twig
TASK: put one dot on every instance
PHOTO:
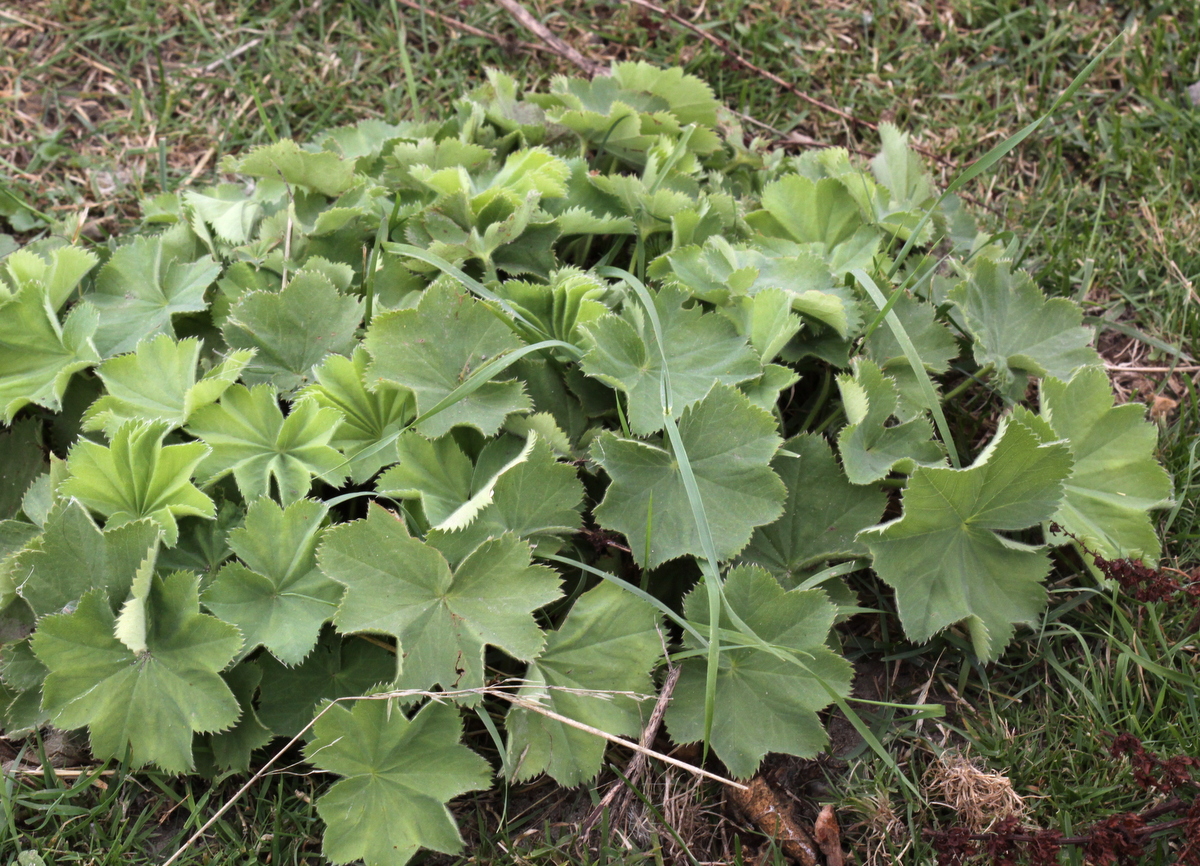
(556, 45)
(485, 691)
(770, 76)
(637, 764)
(762, 805)
(1182, 368)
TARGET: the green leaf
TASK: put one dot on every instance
(150, 703)
(158, 383)
(336, 668)
(945, 557)
(276, 595)
(608, 643)
(699, 350)
(870, 449)
(434, 472)
(369, 418)
(147, 282)
(689, 98)
(22, 675)
(625, 112)
(250, 437)
(571, 299)
(397, 774)
(900, 170)
(933, 341)
(535, 498)
(38, 356)
(1018, 330)
(432, 349)
(764, 703)
(74, 556)
(232, 214)
(322, 172)
(292, 330)
(21, 463)
(730, 444)
(58, 272)
(821, 215)
(822, 514)
(765, 319)
(138, 477)
(719, 272)
(526, 492)
(133, 625)
(232, 748)
(1115, 481)
(202, 544)
(443, 620)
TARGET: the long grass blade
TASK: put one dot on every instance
(914, 360)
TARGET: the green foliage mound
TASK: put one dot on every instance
(488, 413)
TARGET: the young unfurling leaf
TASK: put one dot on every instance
(158, 382)
(249, 436)
(137, 476)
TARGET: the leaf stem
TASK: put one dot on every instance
(972, 379)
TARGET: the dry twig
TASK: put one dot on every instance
(486, 691)
(556, 45)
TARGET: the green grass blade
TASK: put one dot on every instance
(1000, 151)
(485, 373)
(914, 359)
(469, 282)
(660, 605)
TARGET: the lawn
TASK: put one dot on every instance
(106, 104)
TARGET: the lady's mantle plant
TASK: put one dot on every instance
(525, 395)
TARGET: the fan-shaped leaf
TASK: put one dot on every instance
(137, 477)
(250, 437)
(276, 595)
(699, 350)
(608, 643)
(158, 383)
(1115, 480)
(399, 586)
(397, 774)
(944, 556)
(730, 444)
(148, 703)
(764, 703)
(432, 349)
